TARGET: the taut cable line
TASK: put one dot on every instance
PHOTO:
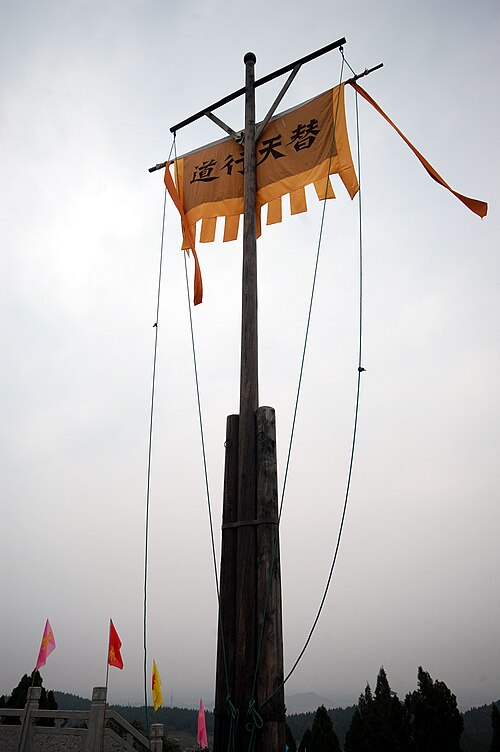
(303, 357)
(360, 370)
(150, 445)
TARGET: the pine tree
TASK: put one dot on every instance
(393, 720)
(436, 721)
(356, 739)
(19, 697)
(380, 723)
(323, 737)
(495, 724)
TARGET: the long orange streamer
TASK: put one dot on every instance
(198, 282)
(475, 205)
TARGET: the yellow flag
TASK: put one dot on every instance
(297, 148)
(156, 688)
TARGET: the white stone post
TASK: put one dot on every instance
(156, 737)
(32, 701)
(97, 720)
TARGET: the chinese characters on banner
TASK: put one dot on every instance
(302, 146)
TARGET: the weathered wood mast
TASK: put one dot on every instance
(249, 692)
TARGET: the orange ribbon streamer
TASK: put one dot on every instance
(475, 205)
(198, 282)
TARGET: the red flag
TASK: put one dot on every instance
(114, 655)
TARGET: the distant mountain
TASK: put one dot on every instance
(477, 729)
(300, 722)
(305, 702)
(67, 701)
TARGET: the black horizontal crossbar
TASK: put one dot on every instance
(259, 82)
(366, 72)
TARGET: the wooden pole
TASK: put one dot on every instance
(249, 372)
(246, 574)
(270, 674)
(250, 645)
(227, 592)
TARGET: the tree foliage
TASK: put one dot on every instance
(436, 721)
(19, 696)
(380, 722)
(169, 744)
(68, 701)
(323, 737)
(341, 720)
(495, 724)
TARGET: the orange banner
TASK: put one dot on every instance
(198, 283)
(302, 146)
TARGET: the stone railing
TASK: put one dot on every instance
(73, 730)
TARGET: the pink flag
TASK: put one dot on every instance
(47, 646)
(202, 728)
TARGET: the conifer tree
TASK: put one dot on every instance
(19, 697)
(495, 724)
(323, 737)
(380, 723)
(356, 737)
(436, 721)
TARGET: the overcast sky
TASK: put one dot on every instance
(88, 91)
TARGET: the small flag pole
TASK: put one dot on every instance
(152, 694)
(107, 679)
(107, 662)
(156, 692)
(114, 659)
(27, 700)
(201, 736)
(47, 645)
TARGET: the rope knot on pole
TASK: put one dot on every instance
(254, 724)
(233, 713)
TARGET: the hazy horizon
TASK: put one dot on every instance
(298, 702)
